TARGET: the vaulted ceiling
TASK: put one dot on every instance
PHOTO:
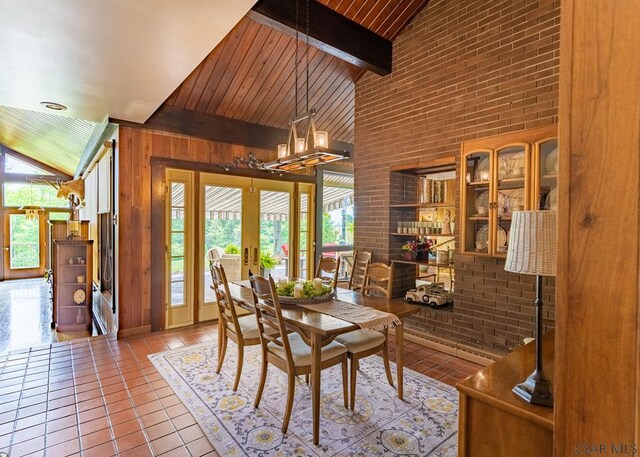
(250, 75)
(75, 58)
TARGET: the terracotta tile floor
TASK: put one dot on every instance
(101, 397)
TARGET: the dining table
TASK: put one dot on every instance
(322, 328)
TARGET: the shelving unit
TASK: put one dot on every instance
(72, 284)
(500, 175)
(423, 196)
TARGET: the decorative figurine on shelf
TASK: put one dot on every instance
(433, 294)
(446, 223)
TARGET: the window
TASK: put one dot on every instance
(14, 165)
(19, 194)
(337, 219)
(337, 210)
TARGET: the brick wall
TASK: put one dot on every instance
(463, 69)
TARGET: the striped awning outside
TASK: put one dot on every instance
(226, 202)
(338, 191)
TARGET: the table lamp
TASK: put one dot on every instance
(532, 251)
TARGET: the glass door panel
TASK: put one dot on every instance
(545, 194)
(512, 191)
(274, 253)
(222, 237)
(24, 242)
(476, 197)
(179, 249)
(303, 235)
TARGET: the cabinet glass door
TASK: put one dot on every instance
(545, 193)
(476, 195)
(511, 191)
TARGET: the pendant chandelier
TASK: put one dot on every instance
(31, 212)
(312, 148)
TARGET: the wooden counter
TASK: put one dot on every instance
(492, 421)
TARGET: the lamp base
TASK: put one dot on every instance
(535, 391)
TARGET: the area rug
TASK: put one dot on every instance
(424, 424)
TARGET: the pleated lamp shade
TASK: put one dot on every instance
(532, 243)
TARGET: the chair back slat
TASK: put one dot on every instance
(331, 266)
(269, 313)
(226, 305)
(378, 278)
(361, 260)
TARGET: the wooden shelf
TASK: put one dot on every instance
(478, 218)
(550, 176)
(77, 284)
(516, 179)
(425, 235)
(423, 205)
(478, 184)
(74, 265)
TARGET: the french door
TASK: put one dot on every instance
(248, 225)
(251, 225)
(24, 249)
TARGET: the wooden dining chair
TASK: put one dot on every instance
(361, 260)
(365, 342)
(242, 330)
(331, 266)
(291, 352)
(378, 277)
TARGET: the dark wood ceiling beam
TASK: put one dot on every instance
(181, 121)
(329, 31)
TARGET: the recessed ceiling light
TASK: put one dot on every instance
(54, 106)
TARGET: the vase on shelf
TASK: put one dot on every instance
(408, 255)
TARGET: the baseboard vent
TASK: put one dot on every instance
(461, 350)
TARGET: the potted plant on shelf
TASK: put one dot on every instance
(423, 246)
(409, 250)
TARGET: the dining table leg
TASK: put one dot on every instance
(400, 359)
(316, 348)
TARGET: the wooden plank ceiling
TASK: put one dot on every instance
(250, 75)
(51, 139)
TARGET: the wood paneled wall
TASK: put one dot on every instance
(136, 149)
(598, 318)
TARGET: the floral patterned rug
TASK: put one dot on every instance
(425, 424)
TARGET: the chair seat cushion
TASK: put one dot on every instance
(249, 327)
(301, 351)
(361, 340)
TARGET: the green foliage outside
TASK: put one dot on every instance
(222, 233)
(332, 233)
(231, 249)
(25, 242)
(267, 260)
(19, 194)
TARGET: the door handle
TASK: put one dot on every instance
(6, 249)
(256, 258)
(246, 256)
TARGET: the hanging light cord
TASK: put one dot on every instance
(307, 56)
(295, 63)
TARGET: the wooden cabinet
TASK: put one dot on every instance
(492, 421)
(72, 281)
(500, 175)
